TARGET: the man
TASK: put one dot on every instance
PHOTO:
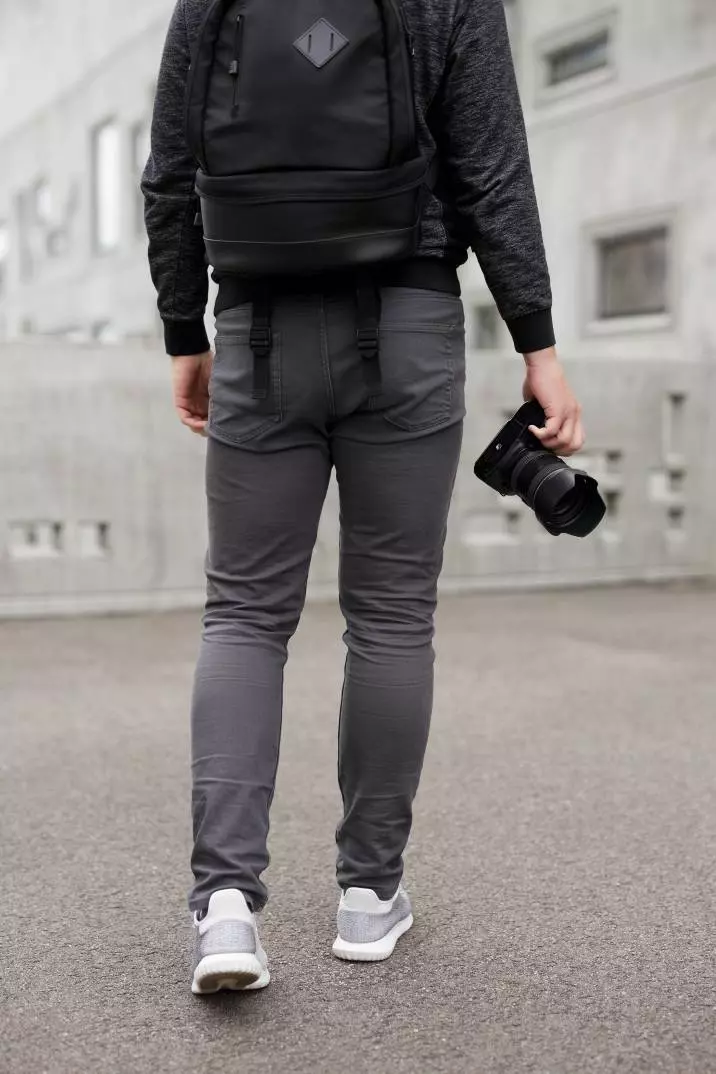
(393, 439)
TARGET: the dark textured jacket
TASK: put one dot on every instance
(468, 110)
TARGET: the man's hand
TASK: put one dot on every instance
(190, 381)
(546, 382)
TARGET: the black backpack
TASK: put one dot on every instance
(301, 117)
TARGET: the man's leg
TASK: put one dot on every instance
(395, 498)
(263, 517)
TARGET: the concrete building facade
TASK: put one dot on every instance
(622, 140)
(623, 144)
(73, 136)
(100, 493)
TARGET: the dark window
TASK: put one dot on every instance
(676, 518)
(633, 274)
(612, 499)
(675, 424)
(93, 539)
(36, 539)
(578, 58)
(485, 328)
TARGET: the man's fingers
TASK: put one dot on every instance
(571, 439)
(195, 422)
(562, 434)
(197, 425)
(550, 429)
(577, 442)
(563, 439)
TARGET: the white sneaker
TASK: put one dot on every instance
(228, 950)
(369, 927)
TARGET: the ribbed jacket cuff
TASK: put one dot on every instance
(532, 332)
(185, 337)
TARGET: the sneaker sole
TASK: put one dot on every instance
(377, 951)
(233, 972)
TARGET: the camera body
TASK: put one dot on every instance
(516, 464)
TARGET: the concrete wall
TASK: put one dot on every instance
(71, 45)
(89, 439)
(608, 150)
(101, 503)
(109, 60)
(635, 144)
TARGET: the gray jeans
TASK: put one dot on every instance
(268, 469)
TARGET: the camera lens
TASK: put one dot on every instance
(567, 501)
(565, 511)
(532, 471)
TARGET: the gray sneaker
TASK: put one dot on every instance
(228, 950)
(368, 927)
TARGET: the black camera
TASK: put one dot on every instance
(516, 464)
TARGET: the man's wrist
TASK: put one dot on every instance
(533, 358)
(196, 359)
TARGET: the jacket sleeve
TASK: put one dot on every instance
(485, 154)
(177, 258)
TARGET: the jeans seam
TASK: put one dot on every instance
(326, 360)
(425, 326)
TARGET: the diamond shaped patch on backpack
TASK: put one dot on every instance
(321, 43)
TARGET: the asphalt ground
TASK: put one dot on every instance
(562, 866)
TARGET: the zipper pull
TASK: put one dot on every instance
(234, 67)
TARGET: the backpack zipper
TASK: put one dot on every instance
(234, 69)
(408, 56)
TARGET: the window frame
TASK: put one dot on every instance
(624, 226)
(570, 36)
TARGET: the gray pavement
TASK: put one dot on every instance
(563, 865)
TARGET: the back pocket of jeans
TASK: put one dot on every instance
(422, 358)
(234, 414)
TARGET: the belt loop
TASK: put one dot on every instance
(261, 342)
(367, 330)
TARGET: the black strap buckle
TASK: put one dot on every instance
(368, 342)
(261, 343)
(368, 329)
(261, 340)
